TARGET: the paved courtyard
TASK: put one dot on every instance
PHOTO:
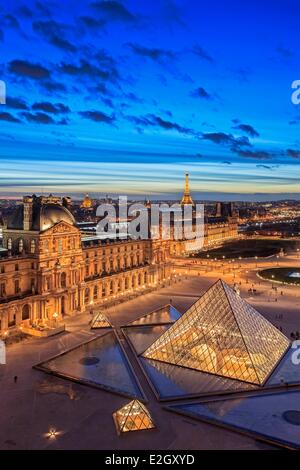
(82, 415)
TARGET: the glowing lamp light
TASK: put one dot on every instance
(52, 433)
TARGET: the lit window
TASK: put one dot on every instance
(21, 245)
(32, 246)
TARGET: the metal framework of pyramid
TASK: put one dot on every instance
(224, 335)
(133, 417)
(100, 321)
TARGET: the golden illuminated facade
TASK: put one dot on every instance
(133, 417)
(50, 272)
(223, 335)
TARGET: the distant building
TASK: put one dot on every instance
(87, 203)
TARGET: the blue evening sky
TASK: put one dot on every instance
(124, 97)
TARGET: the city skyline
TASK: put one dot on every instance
(124, 98)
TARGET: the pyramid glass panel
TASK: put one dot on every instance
(272, 416)
(100, 321)
(100, 362)
(222, 334)
(166, 314)
(133, 417)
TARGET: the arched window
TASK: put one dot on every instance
(63, 280)
(9, 244)
(103, 290)
(95, 293)
(21, 245)
(32, 246)
(87, 296)
(26, 312)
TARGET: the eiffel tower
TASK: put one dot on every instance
(187, 199)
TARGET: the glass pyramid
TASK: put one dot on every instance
(222, 334)
(133, 417)
(100, 321)
(163, 315)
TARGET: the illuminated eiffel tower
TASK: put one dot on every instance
(187, 199)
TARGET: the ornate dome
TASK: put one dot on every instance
(44, 216)
(51, 214)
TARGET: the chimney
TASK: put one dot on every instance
(27, 212)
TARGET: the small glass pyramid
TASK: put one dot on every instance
(100, 321)
(163, 315)
(224, 335)
(133, 417)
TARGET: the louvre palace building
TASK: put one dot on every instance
(49, 270)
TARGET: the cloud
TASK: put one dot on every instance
(248, 129)
(200, 52)
(293, 153)
(24, 68)
(133, 97)
(242, 74)
(256, 154)
(201, 93)
(38, 118)
(112, 10)
(284, 52)
(16, 103)
(170, 13)
(153, 53)
(53, 87)
(10, 21)
(42, 8)
(221, 138)
(87, 69)
(108, 102)
(98, 116)
(25, 11)
(266, 167)
(92, 23)
(156, 121)
(8, 117)
(54, 33)
(51, 108)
